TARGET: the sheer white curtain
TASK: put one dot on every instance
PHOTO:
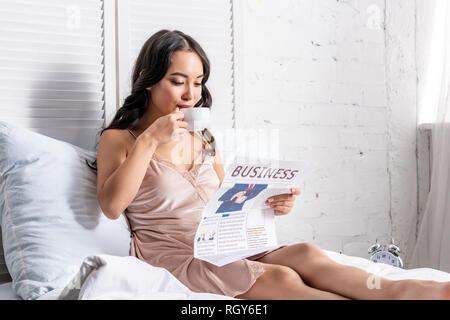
(433, 243)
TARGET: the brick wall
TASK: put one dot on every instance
(314, 74)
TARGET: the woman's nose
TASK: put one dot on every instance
(188, 93)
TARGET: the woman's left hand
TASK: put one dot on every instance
(283, 203)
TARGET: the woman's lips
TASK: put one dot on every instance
(183, 106)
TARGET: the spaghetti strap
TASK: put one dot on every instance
(131, 133)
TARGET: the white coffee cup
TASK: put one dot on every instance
(197, 118)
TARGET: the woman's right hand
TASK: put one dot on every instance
(167, 128)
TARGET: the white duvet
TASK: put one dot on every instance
(109, 277)
(112, 277)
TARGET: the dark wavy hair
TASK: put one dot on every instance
(151, 65)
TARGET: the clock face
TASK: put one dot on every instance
(386, 257)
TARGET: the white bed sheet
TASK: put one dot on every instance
(388, 271)
(7, 293)
(100, 279)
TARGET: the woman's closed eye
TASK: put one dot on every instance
(181, 83)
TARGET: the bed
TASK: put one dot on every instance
(58, 245)
(95, 283)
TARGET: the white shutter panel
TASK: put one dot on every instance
(208, 22)
(52, 67)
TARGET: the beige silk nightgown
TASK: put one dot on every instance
(164, 217)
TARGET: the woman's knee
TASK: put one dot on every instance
(282, 275)
(308, 249)
(274, 283)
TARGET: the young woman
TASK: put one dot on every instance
(162, 176)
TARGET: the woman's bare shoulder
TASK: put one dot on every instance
(115, 139)
(113, 134)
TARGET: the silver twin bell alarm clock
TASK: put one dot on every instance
(391, 255)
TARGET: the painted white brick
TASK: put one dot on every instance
(375, 141)
(279, 114)
(323, 136)
(343, 227)
(373, 54)
(329, 242)
(306, 71)
(371, 117)
(299, 46)
(266, 93)
(344, 93)
(378, 225)
(364, 5)
(364, 141)
(350, 72)
(374, 75)
(373, 35)
(350, 181)
(325, 156)
(290, 229)
(255, 142)
(356, 248)
(315, 70)
(374, 96)
(350, 138)
(327, 52)
(292, 70)
(326, 115)
(324, 71)
(310, 210)
(299, 92)
(350, 52)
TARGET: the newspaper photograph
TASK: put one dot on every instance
(236, 223)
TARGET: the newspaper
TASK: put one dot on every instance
(236, 223)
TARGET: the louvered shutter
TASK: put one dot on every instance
(57, 61)
(52, 67)
(208, 22)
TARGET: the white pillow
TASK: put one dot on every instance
(50, 217)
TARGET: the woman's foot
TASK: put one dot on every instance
(423, 290)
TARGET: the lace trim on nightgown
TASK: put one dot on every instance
(191, 174)
(256, 267)
(196, 164)
(193, 171)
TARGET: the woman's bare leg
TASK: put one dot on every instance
(321, 272)
(280, 282)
